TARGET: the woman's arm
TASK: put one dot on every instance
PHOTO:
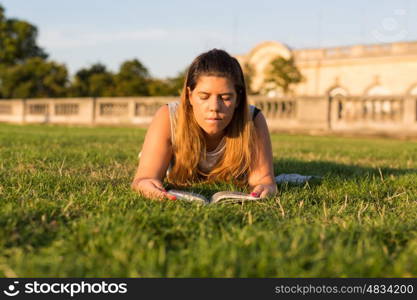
(155, 157)
(262, 180)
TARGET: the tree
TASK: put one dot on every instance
(160, 87)
(35, 78)
(171, 86)
(283, 73)
(17, 41)
(177, 83)
(24, 72)
(132, 79)
(94, 81)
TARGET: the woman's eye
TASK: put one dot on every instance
(226, 98)
(204, 97)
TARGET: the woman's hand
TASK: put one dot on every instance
(264, 190)
(261, 178)
(155, 157)
(151, 188)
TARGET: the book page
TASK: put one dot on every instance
(228, 196)
(189, 196)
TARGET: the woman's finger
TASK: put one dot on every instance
(159, 195)
(153, 193)
(163, 193)
(169, 196)
(151, 189)
(158, 184)
(264, 193)
(256, 192)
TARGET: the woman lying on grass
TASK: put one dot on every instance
(211, 135)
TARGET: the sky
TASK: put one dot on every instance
(167, 35)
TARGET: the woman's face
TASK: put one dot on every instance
(214, 100)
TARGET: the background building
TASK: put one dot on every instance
(359, 70)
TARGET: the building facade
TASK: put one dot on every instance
(359, 70)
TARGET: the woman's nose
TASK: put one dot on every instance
(214, 104)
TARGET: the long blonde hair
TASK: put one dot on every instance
(237, 160)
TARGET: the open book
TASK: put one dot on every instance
(219, 197)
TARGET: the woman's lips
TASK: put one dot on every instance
(213, 120)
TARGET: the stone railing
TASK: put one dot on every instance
(374, 109)
(374, 113)
(353, 114)
(82, 110)
(276, 108)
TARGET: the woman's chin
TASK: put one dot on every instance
(213, 131)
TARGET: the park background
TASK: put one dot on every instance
(66, 206)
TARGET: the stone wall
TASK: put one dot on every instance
(91, 111)
(386, 115)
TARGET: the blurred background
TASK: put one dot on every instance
(322, 49)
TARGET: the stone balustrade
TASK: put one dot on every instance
(396, 114)
(128, 110)
(381, 114)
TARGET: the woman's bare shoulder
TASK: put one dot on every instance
(163, 112)
(160, 124)
(261, 127)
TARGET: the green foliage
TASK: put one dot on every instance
(94, 81)
(66, 210)
(177, 83)
(35, 78)
(132, 79)
(283, 73)
(167, 87)
(17, 41)
(25, 73)
(159, 87)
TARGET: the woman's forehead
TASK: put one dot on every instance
(214, 84)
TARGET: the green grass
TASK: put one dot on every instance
(66, 209)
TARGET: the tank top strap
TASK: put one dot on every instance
(251, 109)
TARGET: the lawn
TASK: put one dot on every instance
(66, 210)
